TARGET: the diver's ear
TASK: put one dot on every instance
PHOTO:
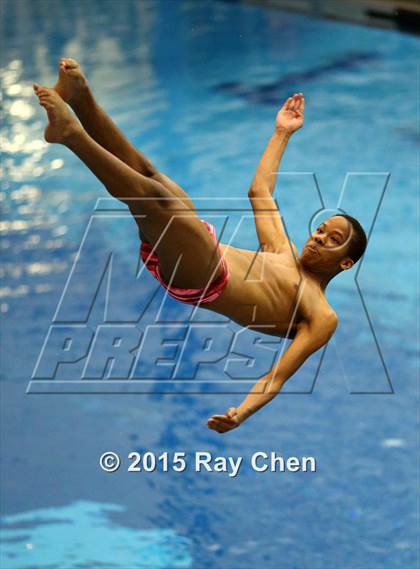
(346, 264)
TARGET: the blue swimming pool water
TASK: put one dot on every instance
(196, 85)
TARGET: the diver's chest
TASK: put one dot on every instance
(274, 267)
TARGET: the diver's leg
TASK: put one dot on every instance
(168, 223)
(74, 88)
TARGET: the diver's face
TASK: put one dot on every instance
(328, 245)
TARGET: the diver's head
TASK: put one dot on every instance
(335, 245)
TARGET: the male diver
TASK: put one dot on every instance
(182, 251)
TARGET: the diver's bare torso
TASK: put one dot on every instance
(269, 292)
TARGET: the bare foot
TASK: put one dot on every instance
(62, 123)
(71, 84)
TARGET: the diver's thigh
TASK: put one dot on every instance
(187, 253)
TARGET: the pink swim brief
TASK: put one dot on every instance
(188, 295)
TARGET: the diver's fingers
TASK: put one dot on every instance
(223, 419)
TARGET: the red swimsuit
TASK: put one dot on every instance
(188, 295)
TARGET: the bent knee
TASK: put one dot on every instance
(175, 190)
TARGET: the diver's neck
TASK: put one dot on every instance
(321, 280)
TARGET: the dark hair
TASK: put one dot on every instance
(358, 243)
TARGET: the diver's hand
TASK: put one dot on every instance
(290, 116)
(224, 423)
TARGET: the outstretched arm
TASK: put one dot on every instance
(270, 230)
(309, 339)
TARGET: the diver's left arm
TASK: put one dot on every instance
(309, 338)
(271, 232)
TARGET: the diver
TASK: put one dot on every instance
(183, 253)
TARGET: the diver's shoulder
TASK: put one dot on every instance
(321, 314)
(329, 319)
(325, 317)
(321, 325)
